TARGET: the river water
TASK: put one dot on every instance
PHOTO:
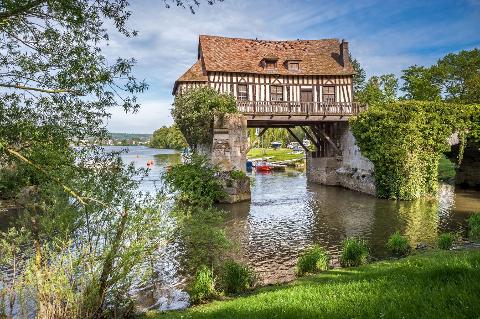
(287, 214)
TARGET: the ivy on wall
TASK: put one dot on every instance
(405, 140)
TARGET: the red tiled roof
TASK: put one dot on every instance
(318, 57)
(194, 74)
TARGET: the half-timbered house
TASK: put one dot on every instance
(299, 75)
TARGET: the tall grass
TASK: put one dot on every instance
(398, 245)
(203, 285)
(445, 241)
(474, 226)
(354, 252)
(312, 260)
(236, 278)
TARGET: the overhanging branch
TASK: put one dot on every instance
(29, 88)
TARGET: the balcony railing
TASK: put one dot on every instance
(300, 108)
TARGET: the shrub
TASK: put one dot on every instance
(203, 285)
(237, 174)
(196, 181)
(474, 226)
(445, 241)
(398, 245)
(312, 260)
(237, 277)
(354, 252)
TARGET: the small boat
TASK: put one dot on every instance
(263, 167)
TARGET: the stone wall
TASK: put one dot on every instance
(350, 169)
(229, 151)
(230, 142)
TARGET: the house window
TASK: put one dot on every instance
(294, 66)
(328, 94)
(276, 93)
(270, 65)
(242, 92)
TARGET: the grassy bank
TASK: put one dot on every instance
(280, 154)
(430, 285)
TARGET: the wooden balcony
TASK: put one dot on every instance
(286, 113)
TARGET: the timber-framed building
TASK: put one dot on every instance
(301, 76)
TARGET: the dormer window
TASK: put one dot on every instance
(293, 65)
(270, 63)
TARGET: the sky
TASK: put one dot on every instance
(384, 36)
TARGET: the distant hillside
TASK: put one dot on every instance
(128, 136)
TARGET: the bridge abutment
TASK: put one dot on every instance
(339, 162)
(229, 152)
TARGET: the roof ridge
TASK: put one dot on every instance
(262, 40)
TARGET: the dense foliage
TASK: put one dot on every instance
(312, 260)
(202, 287)
(405, 141)
(82, 251)
(474, 226)
(168, 137)
(194, 110)
(196, 181)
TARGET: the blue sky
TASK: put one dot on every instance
(385, 36)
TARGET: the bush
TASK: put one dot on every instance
(237, 277)
(312, 260)
(398, 245)
(354, 252)
(203, 286)
(445, 241)
(474, 226)
(196, 181)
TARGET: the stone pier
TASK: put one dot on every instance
(341, 163)
(229, 151)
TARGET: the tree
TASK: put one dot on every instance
(379, 89)
(460, 75)
(359, 77)
(194, 110)
(81, 209)
(168, 137)
(421, 83)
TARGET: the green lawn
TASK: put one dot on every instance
(446, 169)
(280, 154)
(430, 285)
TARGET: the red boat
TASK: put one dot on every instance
(263, 167)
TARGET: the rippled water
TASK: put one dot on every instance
(287, 214)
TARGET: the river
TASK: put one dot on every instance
(287, 214)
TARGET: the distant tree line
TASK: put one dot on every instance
(168, 137)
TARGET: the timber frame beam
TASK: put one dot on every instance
(298, 140)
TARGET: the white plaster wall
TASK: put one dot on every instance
(351, 155)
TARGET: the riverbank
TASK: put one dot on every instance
(280, 154)
(434, 284)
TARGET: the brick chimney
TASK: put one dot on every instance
(344, 58)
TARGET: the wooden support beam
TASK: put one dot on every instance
(321, 133)
(310, 137)
(298, 140)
